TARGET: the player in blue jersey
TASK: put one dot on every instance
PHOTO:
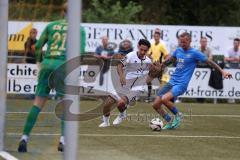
(186, 59)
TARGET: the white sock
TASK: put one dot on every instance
(106, 119)
(123, 114)
(62, 140)
(24, 137)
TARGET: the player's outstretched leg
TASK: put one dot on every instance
(178, 116)
(177, 120)
(157, 105)
(106, 111)
(122, 109)
(30, 122)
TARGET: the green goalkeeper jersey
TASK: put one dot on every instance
(55, 35)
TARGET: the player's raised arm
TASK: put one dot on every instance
(168, 61)
(217, 67)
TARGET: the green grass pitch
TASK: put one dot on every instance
(209, 132)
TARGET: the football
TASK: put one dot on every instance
(156, 124)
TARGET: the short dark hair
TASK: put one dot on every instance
(33, 30)
(144, 42)
(185, 34)
(236, 39)
(157, 33)
(157, 30)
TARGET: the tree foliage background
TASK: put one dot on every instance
(171, 12)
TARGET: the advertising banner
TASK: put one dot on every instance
(220, 39)
(22, 79)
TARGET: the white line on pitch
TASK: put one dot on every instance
(142, 114)
(28, 112)
(213, 115)
(7, 156)
(128, 135)
(194, 115)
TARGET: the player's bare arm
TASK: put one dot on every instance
(168, 61)
(217, 67)
(121, 73)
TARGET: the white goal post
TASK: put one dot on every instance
(3, 66)
(73, 48)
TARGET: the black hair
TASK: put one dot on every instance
(185, 34)
(144, 42)
(236, 39)
(157, 33)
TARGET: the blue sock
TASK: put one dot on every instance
(174, 110)
(167, 117)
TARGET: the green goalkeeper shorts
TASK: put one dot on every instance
(44, 85)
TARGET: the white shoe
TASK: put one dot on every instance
(120, 118)
(105, 122)
(178, 101)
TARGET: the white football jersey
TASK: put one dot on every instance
(135, 67)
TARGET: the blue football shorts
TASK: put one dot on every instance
(176, 90)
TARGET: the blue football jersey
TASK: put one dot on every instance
(186, 63)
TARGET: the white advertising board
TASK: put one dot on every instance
(22, 79)
(220, 38)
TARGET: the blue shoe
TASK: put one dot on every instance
(177, 120)
(167, 126)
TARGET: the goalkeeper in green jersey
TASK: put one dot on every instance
(55, 36)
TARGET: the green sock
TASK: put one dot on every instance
(62, 126)
(31, 120)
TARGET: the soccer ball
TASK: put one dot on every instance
(156, 124)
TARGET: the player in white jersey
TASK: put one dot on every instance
(132, 72)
